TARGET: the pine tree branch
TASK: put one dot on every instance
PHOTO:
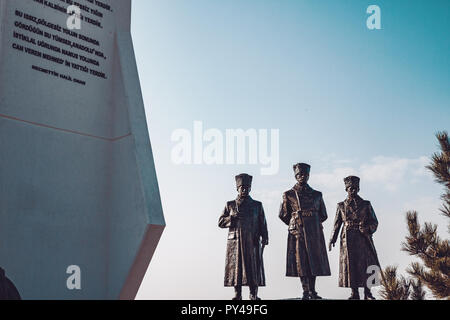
(438, 283)
(393, 287)
(424, 242)
(417, 292)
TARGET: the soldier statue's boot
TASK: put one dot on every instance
(237, 293)
(312, 289)
(314, 296)
(368, 295)
(354, 295)
(254, 293)
(305, 286)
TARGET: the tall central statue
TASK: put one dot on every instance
(247, 237)
(303, 210)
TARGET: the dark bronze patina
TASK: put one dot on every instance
(303, 210)
(247, 237)
(357, 251)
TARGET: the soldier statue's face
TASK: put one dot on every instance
(244, 191)
(302, 177)
(352, 191)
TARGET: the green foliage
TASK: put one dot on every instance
(423, 242)
(417, 292)
(440, 166)
(394, 287)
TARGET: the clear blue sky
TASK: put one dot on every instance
(345, 99)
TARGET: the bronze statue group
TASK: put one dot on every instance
(303, 211)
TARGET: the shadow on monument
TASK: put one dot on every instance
(8, 290)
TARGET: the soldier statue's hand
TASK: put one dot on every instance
(363, 230)
(331, 245)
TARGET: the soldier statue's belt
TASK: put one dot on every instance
(303, 213)
(351, 224)
(296, 223)
(307, 213)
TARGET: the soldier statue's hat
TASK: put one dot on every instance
(301, 167)
(351, 181)
(243, 179)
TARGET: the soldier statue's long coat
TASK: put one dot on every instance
(357, 251)
(306, 249)
(244, 263)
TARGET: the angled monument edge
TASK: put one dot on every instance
(139, 129)
(141, 262)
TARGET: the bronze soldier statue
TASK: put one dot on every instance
(247, 237)
(357, 249)
(303, 210)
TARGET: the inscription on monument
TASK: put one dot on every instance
(68, 50)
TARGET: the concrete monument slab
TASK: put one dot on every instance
(78, 185)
